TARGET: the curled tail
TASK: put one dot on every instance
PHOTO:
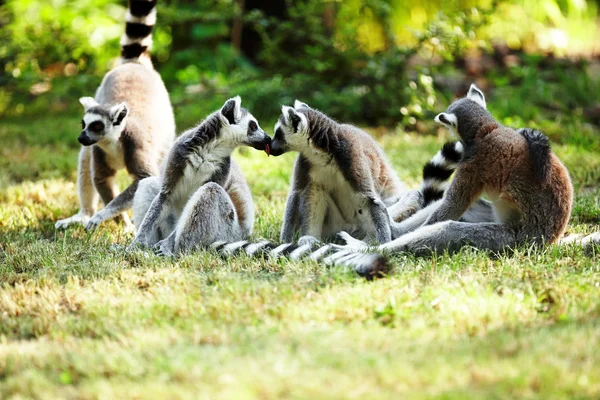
(438, 170)
(368, 265)
(539, 151)
(136, 42)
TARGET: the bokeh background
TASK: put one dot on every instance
(372, 62)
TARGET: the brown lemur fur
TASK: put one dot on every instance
(529, 188)
(129, 125)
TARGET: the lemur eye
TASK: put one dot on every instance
(252, 125)
(96, 126)
(82, 124)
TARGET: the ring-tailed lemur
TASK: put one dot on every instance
(203, 196)
(129, 125)
(341, 179)
(529, 188)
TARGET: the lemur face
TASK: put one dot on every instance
(240, 127)
(461, 109)
(291, 130)
(101, 123)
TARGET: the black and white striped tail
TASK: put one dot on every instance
(438, 170)
(136, 42)
(368, 265)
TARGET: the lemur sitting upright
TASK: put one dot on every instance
(202, 196)
(341, 179)
(129, 124)
(529, 189)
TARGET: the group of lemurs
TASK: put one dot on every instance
(189, 193)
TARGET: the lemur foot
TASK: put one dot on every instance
(163, 248)
(352, 244)
(79, 218)
(94, 222)
(307, 240)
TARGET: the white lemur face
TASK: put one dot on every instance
(240, 127)
(101, 123)
(291, 131)
(461, 107)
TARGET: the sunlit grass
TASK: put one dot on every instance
(79, 319)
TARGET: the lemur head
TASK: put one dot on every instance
(291, 130)
(240, 127)
(101, 123)
(464, 117)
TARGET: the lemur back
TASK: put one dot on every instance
(129, 124)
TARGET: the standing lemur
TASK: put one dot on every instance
(529, 189)
(203, 196)
(129, 124)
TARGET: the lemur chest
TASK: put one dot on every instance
(330, 181)
(201, 167)
(113, 154)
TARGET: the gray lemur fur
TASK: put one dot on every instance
(529, 188)
(203, 196)
(129, 125)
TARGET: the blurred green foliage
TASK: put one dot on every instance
(380, 62)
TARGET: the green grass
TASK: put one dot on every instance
(79, 320)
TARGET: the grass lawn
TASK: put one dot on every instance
(79, 320)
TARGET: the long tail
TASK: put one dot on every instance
(438, 170)
(368, 265)
(136, 42)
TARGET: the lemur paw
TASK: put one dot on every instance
(307, 239)
(163, 249)
(351, 243)
(93, 223)
(79, 218)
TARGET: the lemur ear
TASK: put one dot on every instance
(446, 119)
(298, 104)
(293, 118)
(232, 110)
(286, 115)
(118, 113)
(476, 95)
(88, 102)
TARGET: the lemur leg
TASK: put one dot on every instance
(381, 219)
(88, 196)
(109, 191)
(313, 210)
(149, 231)
(449, 236)
(118, 204)
(458, 199)
(147, 190)
(452, 236)
(291, 218)
(209, 216)
(406, 205)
